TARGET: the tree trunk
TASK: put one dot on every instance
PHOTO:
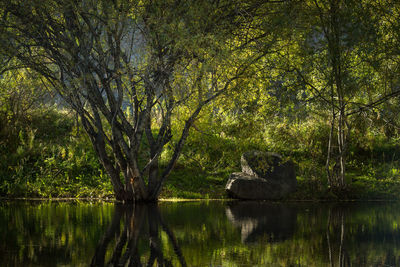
(330, 140)
(153, 179)
(342, 151)
(336, 176)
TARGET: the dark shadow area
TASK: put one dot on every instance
(256, 219)
(134, 239)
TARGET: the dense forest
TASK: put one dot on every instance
(158, 99)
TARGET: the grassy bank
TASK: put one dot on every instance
(194, 185)
(49, 156)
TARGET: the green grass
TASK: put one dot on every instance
(196, 184)
(49, 158)
(190, 183)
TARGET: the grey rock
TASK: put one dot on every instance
(264, 175)
(243, 186)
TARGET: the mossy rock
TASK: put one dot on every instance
(269, 166)
(264, 175)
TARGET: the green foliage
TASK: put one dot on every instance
(289, 70)
(49, 158)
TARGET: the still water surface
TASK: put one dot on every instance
(199, 234)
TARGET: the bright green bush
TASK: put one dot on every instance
(47, 157)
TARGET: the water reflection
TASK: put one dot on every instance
(199, 234)
(354, 240)
(335, 236)
(257, 219)
(37, 233)
(124, 242)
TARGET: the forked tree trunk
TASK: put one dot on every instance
(336, 173)
(88, 54)
(337, 152)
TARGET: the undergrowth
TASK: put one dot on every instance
(49, 156)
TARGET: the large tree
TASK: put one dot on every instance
(126, 67)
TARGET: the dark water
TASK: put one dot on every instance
(199, 234)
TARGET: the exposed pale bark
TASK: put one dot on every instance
(338, 150)
(330, 140)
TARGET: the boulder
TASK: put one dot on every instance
(264, 175)
(243, 186)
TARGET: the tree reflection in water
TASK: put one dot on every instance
(338, 255)
(354, 240)
(139, 221)
(208, 234)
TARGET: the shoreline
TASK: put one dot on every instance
(169, 200)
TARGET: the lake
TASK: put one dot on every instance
(213, 233)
